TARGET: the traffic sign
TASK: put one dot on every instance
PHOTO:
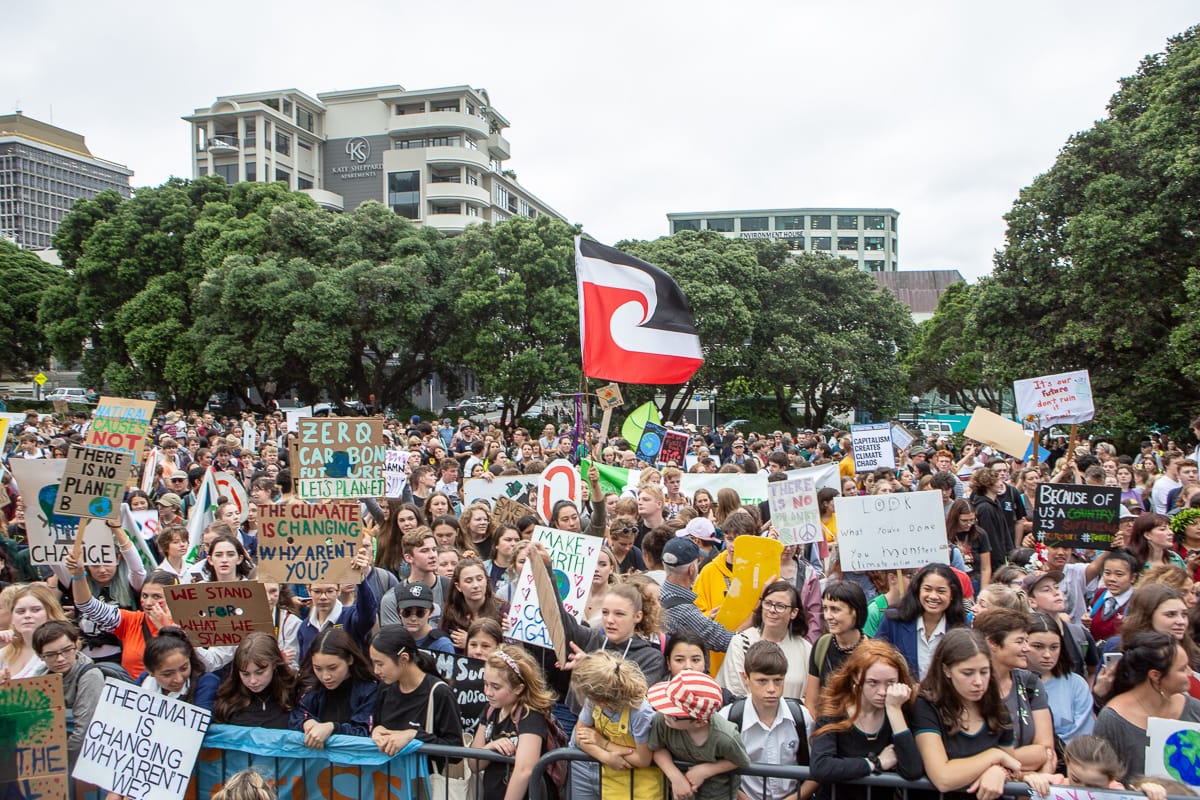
(40, 379)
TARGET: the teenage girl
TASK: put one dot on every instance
(258, 691)
(338, 691)
(413, 703)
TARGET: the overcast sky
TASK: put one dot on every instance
(624, 111)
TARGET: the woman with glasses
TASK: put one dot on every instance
(56, 643)
(779, 618)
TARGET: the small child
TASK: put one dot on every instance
(1092, 762)
(686, 728)
(614, 726)
(483, 637)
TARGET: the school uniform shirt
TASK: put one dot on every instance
(796, 648)
(925, 647)
(401, 711)
(1108, 613)
(777, 743)
(262, 712)
(724, 741)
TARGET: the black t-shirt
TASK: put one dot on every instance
(495, 777)
(834, 658)
(632, 562)
(926, 719)
(398, 711)
(263, 712)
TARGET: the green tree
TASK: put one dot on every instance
(948, 356)
(1102, 249)
(517, 309)
(25, 278)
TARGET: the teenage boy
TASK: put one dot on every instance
(415, 602)
(774, 729)
(420, 552)
(712, 583)
(687, 728)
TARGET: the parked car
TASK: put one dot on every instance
(74, 394)
(465, 409)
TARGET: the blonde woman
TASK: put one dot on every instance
(27, 606)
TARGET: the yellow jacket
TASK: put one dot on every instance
(712, 584)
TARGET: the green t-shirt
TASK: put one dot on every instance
(875, 614)
(724, 741)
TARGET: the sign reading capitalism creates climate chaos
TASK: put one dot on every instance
(635, 325)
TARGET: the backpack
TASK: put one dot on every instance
(820, 650)
(737, 711)
(558, 771)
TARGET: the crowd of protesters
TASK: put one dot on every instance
(1013, 660)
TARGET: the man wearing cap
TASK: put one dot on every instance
(170, 510)
(414, 601)
(177, 483)
(739, 456)
(679, 559)
(688, 728)
(1045, 597)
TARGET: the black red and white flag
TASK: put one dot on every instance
(634, 322)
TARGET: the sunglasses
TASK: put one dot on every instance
(414, 611)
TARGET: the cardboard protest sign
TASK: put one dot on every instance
(60, 407)
(93, 483)
(1172, 749)
(465, 676)
(1043, 455)
(515, 487)
(220, 614)
(992, 429)
(901, 437)
(674, 449)
(551, 616)
(33, 739)
(249, 438)
(339, 457)
(394, 479)
(148, 471)
(1076, 515)
(141, 744)
(650, 442)
(119, 423)
(794, 513)
(638, 419)
(229, 486)
(508, 512)
(308, 542)
(891, 531)
(573, 557)
(558, 481)
(609, 396)
(872, 446)
(1063, 399)
(52, 535)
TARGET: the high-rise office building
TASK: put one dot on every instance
(435, 156)
(43, 171)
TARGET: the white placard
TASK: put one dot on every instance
(558, 481)
(141, 744)
(1063, 399)
(872, 446)
(394, 478)
(905, 530)
(573, 564)
(794, 512)
(515, 487)
(901, 437)
(249, 439)
(51, 536)
(146, 523)
(1171, 749)
(229, 486)
(292, 417)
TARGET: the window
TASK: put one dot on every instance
(873, 222)
(873, 265)
(304, 144)
(251, 171)
(444, 105)
(470, 109)
(303, 183)
(444, 141)
(251, 136)
(283, 143)
(472, 211)
(404, 193)
(723, 224)
(895, 225)
(305, 119)
(272, 103)
(287, 107)
(819, 222)
(847, 243)
(794, 222)
(227, 171)
(872, 243)
(410, 144)
(847, 222)
(445, 208)
(203, 170)
(754, 223)
(821, 243)
(685, 225)
(283, 175)
(895, 247)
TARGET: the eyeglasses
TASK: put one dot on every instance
(776, 608)
(322, 592)
(414, 611)
(54, 655)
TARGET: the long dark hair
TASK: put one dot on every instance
(172, 639)
(455, 614)
(335, 642)
(1144, 652)
(910, 603)
(1137, 535)
(244, 567)
(956, 510)
(956, 647)
(259, 650)
(1044, 623)
(393, 641)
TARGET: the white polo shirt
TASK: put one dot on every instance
(925, 647)
(774, 744)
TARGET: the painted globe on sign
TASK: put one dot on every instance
(1181, 754)
(562, 582)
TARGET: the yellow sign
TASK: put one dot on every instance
(40, 379)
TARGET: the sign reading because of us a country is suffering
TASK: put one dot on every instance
(1077, 516)
(794, 513)
(872, 446)
(220, 614)
(308, 542)
(141, 744)
(891, 531)
(1063, 399)
(119, 423)
(573, 563)
(93, 483)
(340, 458)
(33, 729)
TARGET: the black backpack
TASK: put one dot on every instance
(737, 710)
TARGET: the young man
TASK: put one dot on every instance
(1166, 482)
(420, 552)
(415, 604)
(328, 611)
(712, 584)
(773, 729)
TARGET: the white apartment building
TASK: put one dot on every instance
(866, 236)
(435, 156)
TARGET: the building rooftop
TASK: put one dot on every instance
(28, 128)
(919, 289)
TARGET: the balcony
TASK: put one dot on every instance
(452, 223)
(330, 201)
(457, 155)
(434, 121)
(498, 147)
(223, 144)
(458, 191)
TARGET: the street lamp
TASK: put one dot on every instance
(916, 401)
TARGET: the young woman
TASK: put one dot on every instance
(1067, 693)
(448, 534)
(1131, 493)
(844, 609)
(960, 723)
(172, 543)
(471, 597)
(57, 644)
(477, 528)
(728, 501)
(1093, 763)
(285, 613)
(448, 558)
(413, 702)
(686, 649)
(504, 543)
(174, 668)
(400, 519)
(28, 607)
(702, 501)
(780, 618)
(1151, 680)
(971, 541)
(603, 579)
(861, 729)
(1007, 635)
(1152, 541)
(800, 573)
(227, 560)
(337, 690)
(437, 505)
(515, 723)
(1120, 571)
(930, 609)
(258, 690)
(1161, 608)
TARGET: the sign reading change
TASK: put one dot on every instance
(93, 483)
(308, 542)
(340, 457)
(1077, 516)
(891, 531)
